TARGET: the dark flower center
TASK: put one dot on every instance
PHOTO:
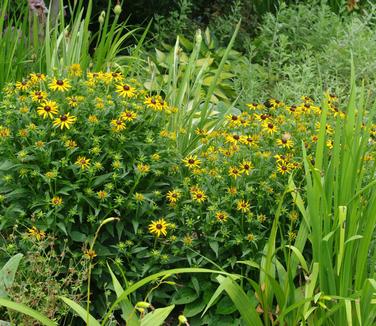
(264, 116)
(246, 167)
(284, 141)
(118, 122)
(191, 161)
(270, 126)
(63, 118)
(284, 168)
(60, 82)
(153, 101)
(159, 226)
(199, 195)
(236, 137)
(126, 87)
(234, 118)
(47, 108)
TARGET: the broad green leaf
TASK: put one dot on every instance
(27, 311)
(157, 317)
(85, 316)
(241, 301)
(126, 306)
(8, 273)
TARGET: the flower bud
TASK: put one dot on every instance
(101, 17)
(117, 10)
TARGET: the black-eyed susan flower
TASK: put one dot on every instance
(284, 167)
(23, 85)
(192, 162)
(269, 127)
(152, 103)
(128, 115)
(233, 120)
(243, 206)
(117, 125)
(125, 90)
(285, 141)
(73, 101)
(56, 201)
(64, 121)
(198, 195)
(234, 172)
(90, 254)
(221, 216)
(36, 234)
(158, 227)
(71, 144)
(93, 119)
(36, 77)
(38, 96)
(173, 196)
(48, 109)
(246, 167)
(83, 162)
(61, 85)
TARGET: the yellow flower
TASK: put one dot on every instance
(38, 96)
(158, 227)
(75, 70)
(102, 195)
(117, 125)
(83, 162)
(90, 254)
(284, 167)
(4, 132)
(285, 141)
(64, 121)
(152, 103)
(192, 162)
(23, 85)
(243, 206)
(36, 77)
(48, 109)
(139, 197)
(125, 90)
(143, 168)
(221, 216)
(234, 172)
(173, 196)
(246, 167)
(269, 127)
(71, 144)
(73, 101)
(128, 115)
(56, 201)
(198, 195)
(37, 234)
(232, 191)
(61, 85)
(93, 119)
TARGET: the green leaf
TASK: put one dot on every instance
(157, 317)
(8, 273)
(225, 306)
(241, 301)
(126, 306)
(78, 236)
(214, 246)
(184, 296)
(85, 316)
(27, 311)
(194, 308)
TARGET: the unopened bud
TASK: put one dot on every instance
(101, 17)
(117, 10)
(143, 304)
(183, 320)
